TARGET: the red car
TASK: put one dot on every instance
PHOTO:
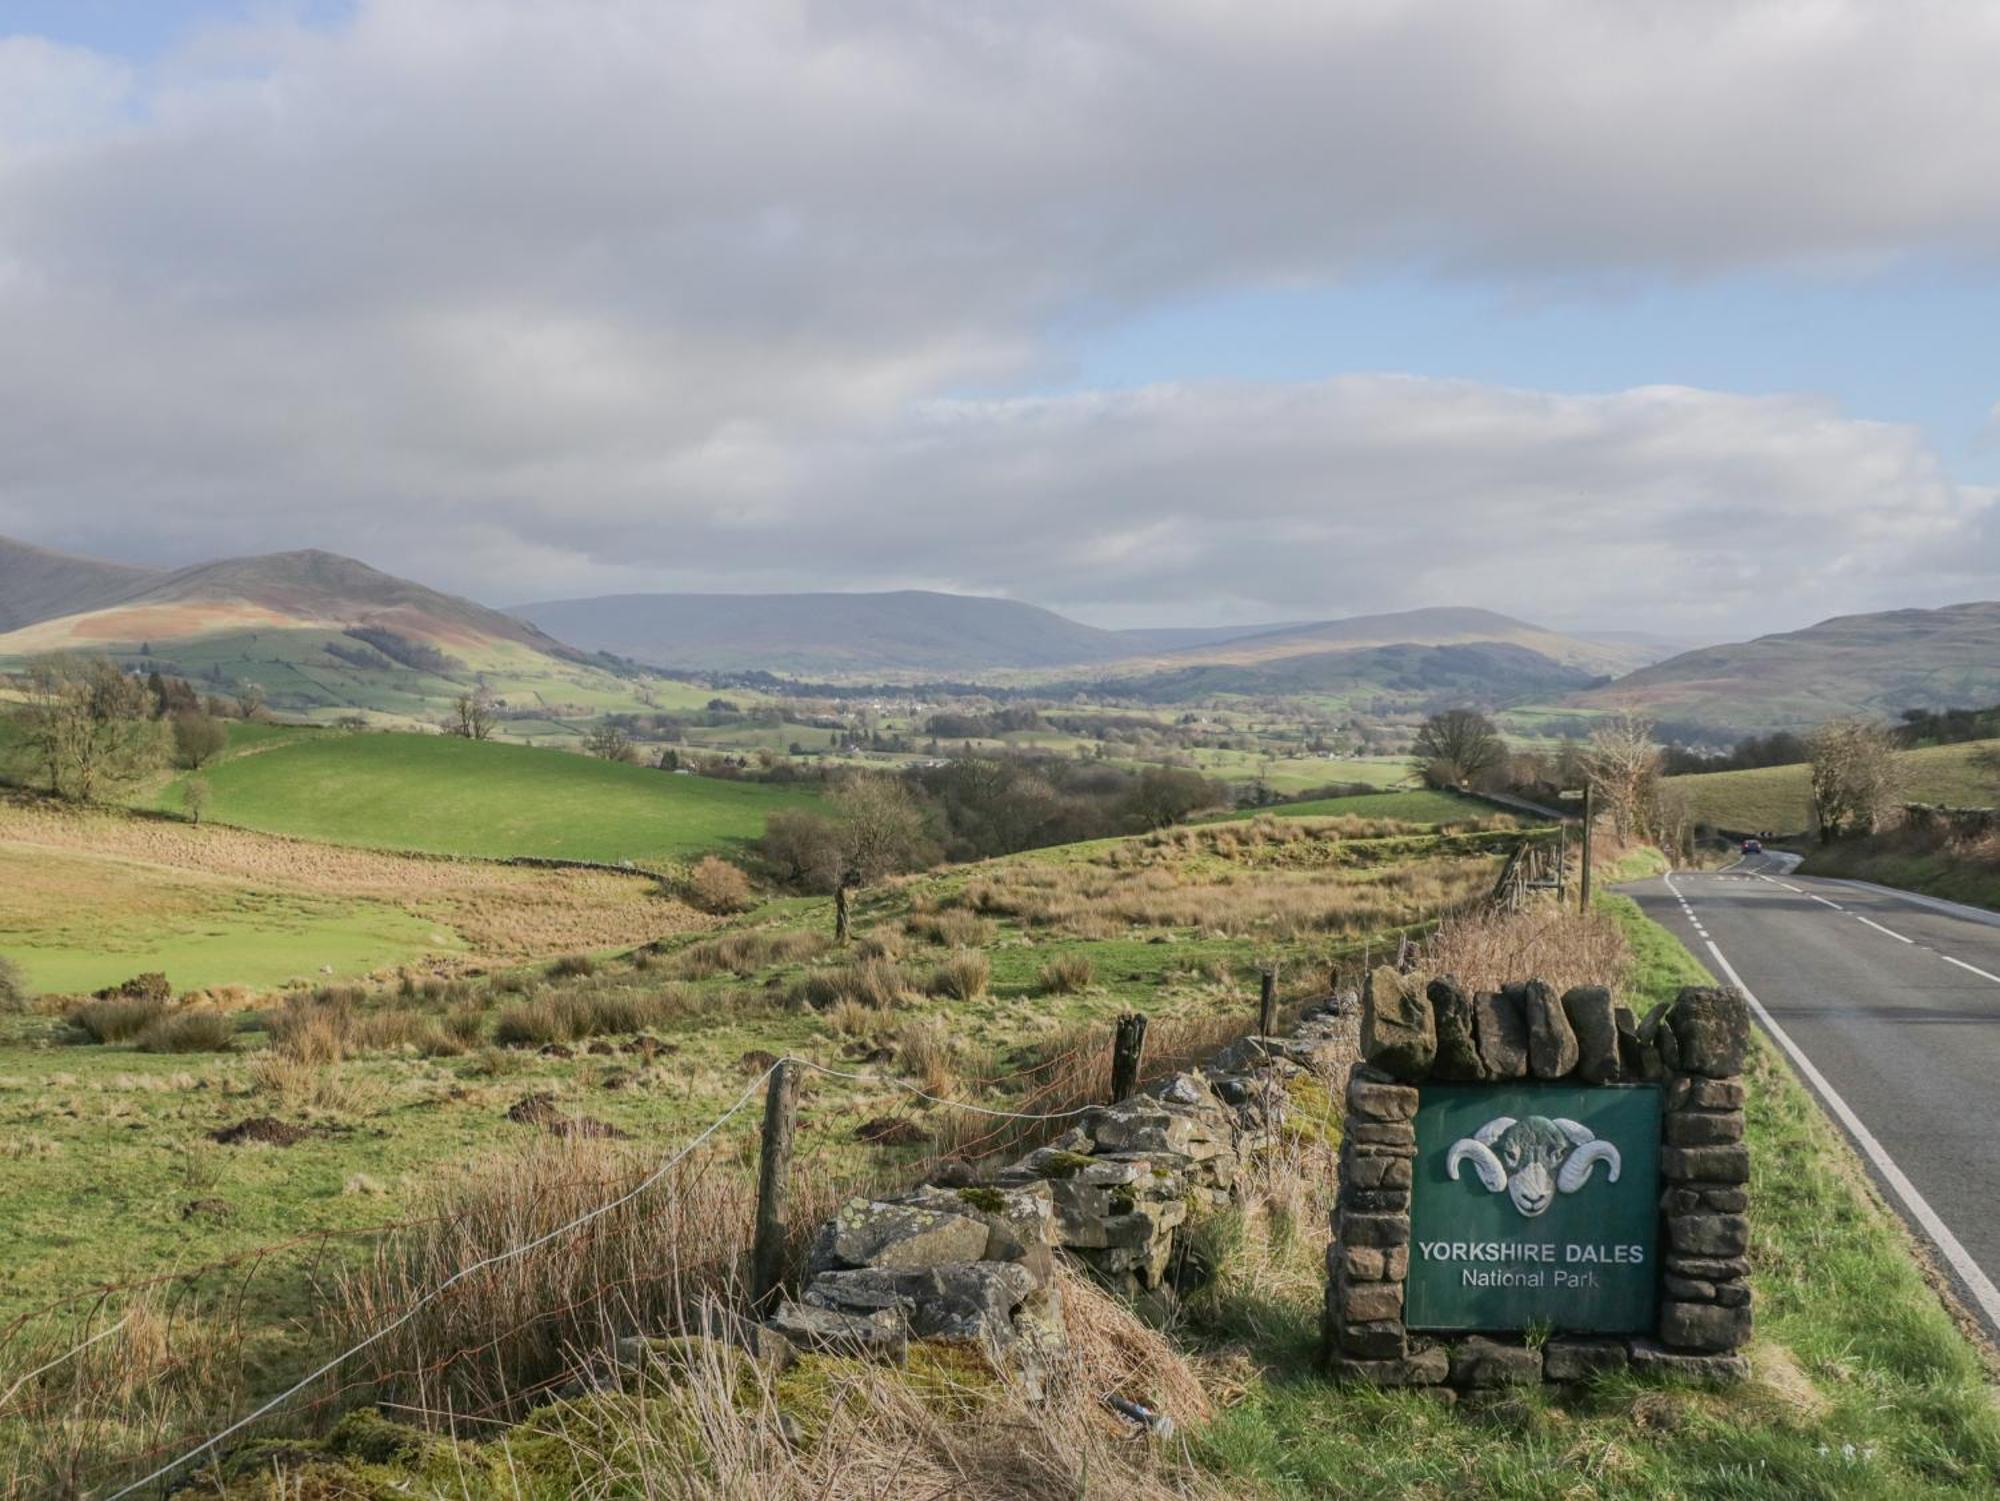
(1753, 846)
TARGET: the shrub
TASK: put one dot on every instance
(574, 1016)
(954, 928)
(1065, 975)
(193, 1031)
(716, 886)
(14, 994)
(572, 966)
(112, 1019)
(930, 1055)
(874, 983)
(743, 954)
(962, 977)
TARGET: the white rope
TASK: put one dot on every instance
(70, 1354)
(458, 1276)
(1005, 1115)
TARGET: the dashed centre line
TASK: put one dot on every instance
(1983, 974)
(1880, 929)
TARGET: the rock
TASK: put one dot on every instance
(1552, 1049)
(1714, 1094)
(1706, 1164)
(881, 1335)
(1594, 1021)
(1371, 1302)
(1580, 1359)
(1657, 1038)
(1417, 1368)
(1356, 1263)
(1017, 1220)
(1502, 1033)
(1632, 1054)
(206, 1209)
(1457, 1044)
(1708, 1268)
(973, 1300)
(1718, 1235)
(1376, 1172)
(1380, 1230)
(898, 1236)
(1370, 1100)
(1688, 1290)
(1703, 1128)
(1186, 1089)
(1712, 1030)
(1703, 1326)
(1398, 1035)
(1382, 1339)
(1382, 1134)
(1650, 1359)
(1698, 1200)
(1485, 1362)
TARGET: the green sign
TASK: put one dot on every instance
(1535, 1204)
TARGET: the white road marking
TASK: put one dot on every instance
(1825, 903)
(1973, 967)
(1976, 1281)
(1786, 884)
(1880, 929)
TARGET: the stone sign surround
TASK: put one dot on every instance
(1506, 1122)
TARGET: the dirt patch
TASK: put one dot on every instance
(540, 1110)
(756, 1061)
(535, 1110)
(891, 1131)
(260, 1128)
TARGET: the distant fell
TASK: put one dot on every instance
(38, 584)
(1877, 664)
(905, 631)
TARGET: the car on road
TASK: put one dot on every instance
(1753, 846)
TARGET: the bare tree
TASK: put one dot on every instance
(1857, 776)
(609, 741)
(88, 727)
(198, 739)
(1623, 764)
(472, 715)
(1458, 748)
(194, 798)
(250, 701)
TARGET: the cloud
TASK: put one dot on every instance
(529, 298)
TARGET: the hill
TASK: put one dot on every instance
(1489, 674)
(1779, 798)
(1441, 626)
(37, 584)
(1875, 664)
(442, 795)
(319, 633)
(911, 630)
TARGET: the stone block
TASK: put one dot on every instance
(1712, 1029)
(1703, 1128)
(1697, 1200)
(1371, 1302)
(1457, 1041)
(1379, 1230)
(1573, 1359)
(1486, 1362)
(872, 1233)
(1552, 1050)
(1715, 1094)
(1706, 1164)
(1376, 1172)
(1398, 1035)
(1710, 1235)
(1688, 1289)
(1382, 1339)
(1376, 1200)
(1426, 1367)
(1501, 1030)
(1593, 1020)
(881, 1335)
(1651, 1359)
(1657, 1038)
(1709, 1268)
(1733, 1294)
(1371, 1101)
(1382, 1134)
(1356, 1263)
(1703, 1326)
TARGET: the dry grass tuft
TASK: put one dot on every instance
(962, 977)
(744, 954)
(876, 984)
(197, 1030)
(116, 1018)
(1485, 950)
(1065, 975)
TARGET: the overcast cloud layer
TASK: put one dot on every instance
(542, 299)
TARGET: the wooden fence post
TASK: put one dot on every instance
(1267, 1002)
(774, 1170)
(840, 916)
(1127, 1049)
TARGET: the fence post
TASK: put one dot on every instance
(1583, 899)
(1126, 1051)
(840, 918)
(774, 1170)
(1267, 1002)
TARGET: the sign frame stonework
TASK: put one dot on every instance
(1446, 1130)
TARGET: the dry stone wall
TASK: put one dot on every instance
(971, 1260)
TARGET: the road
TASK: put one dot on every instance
(1889, 1006)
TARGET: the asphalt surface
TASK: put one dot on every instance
(1889, 1005)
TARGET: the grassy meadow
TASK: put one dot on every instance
(1779, 798)
(90, 898)
(443, 795)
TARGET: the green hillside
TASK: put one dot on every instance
(1417, 805)
(1778, 797)
(448, 796)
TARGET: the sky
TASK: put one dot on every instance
(1675, 315)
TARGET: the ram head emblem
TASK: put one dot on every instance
(1533, 1159)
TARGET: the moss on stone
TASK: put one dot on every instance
(1062, 1164)
(985, 1200)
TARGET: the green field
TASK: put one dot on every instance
(1419, 805)
(444, 795)
(1778, 798)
